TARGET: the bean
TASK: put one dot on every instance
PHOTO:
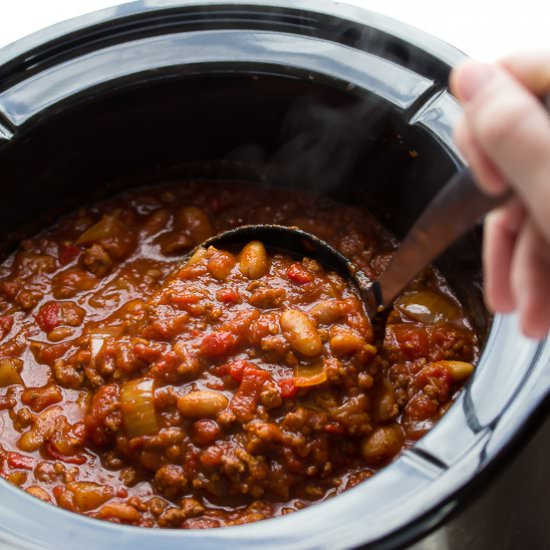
(196, 222)
(156, 221)
(460, 370)
(253, 260)
(346, 342)
(301, 333)
(38, 492)
(119, 510)
(384, 406)
(202, 404)
(327, 311)
(60, 333)
(383, 444)
(220, 264)
(199, 255)
(174, 242)
(89, 495)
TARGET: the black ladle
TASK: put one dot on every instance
(451, 213)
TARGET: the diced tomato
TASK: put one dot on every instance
(334, 428)
(21, 462)
(79, 459)
(297, 273)
(48, 316)
(287, 387)
(227, 295)
(68, 252)
(6, 322)
(406, 341)
(218, 344)
(236, 369)
(247, 396)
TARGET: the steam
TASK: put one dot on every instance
(321, 143)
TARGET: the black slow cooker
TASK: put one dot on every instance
(298, 93)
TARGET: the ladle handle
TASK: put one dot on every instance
(451, 213)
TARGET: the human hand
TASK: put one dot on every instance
(504, 134)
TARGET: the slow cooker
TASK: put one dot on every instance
(306, 94)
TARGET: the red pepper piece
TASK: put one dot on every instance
(21, 462)
(64, 458)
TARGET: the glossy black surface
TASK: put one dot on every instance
(302, 94)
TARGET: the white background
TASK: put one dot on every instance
(485, 29)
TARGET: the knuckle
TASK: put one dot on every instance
(498, 118)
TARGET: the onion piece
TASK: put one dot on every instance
(96, 343)
(309, 375)
(427, 307)
(9, 372)
(137, 403)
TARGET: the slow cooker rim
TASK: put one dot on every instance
(26, 50)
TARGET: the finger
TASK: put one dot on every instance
(531, 280)
(513, 130)
(531, 69)
(487, 175)
(501, 231)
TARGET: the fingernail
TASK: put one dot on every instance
(472, 77)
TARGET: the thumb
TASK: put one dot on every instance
(512, 128)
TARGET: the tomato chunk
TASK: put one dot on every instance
(288, 388)
(218, 344)
(405, 341)
(298, 274)
(48, 316)
(247, 396)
